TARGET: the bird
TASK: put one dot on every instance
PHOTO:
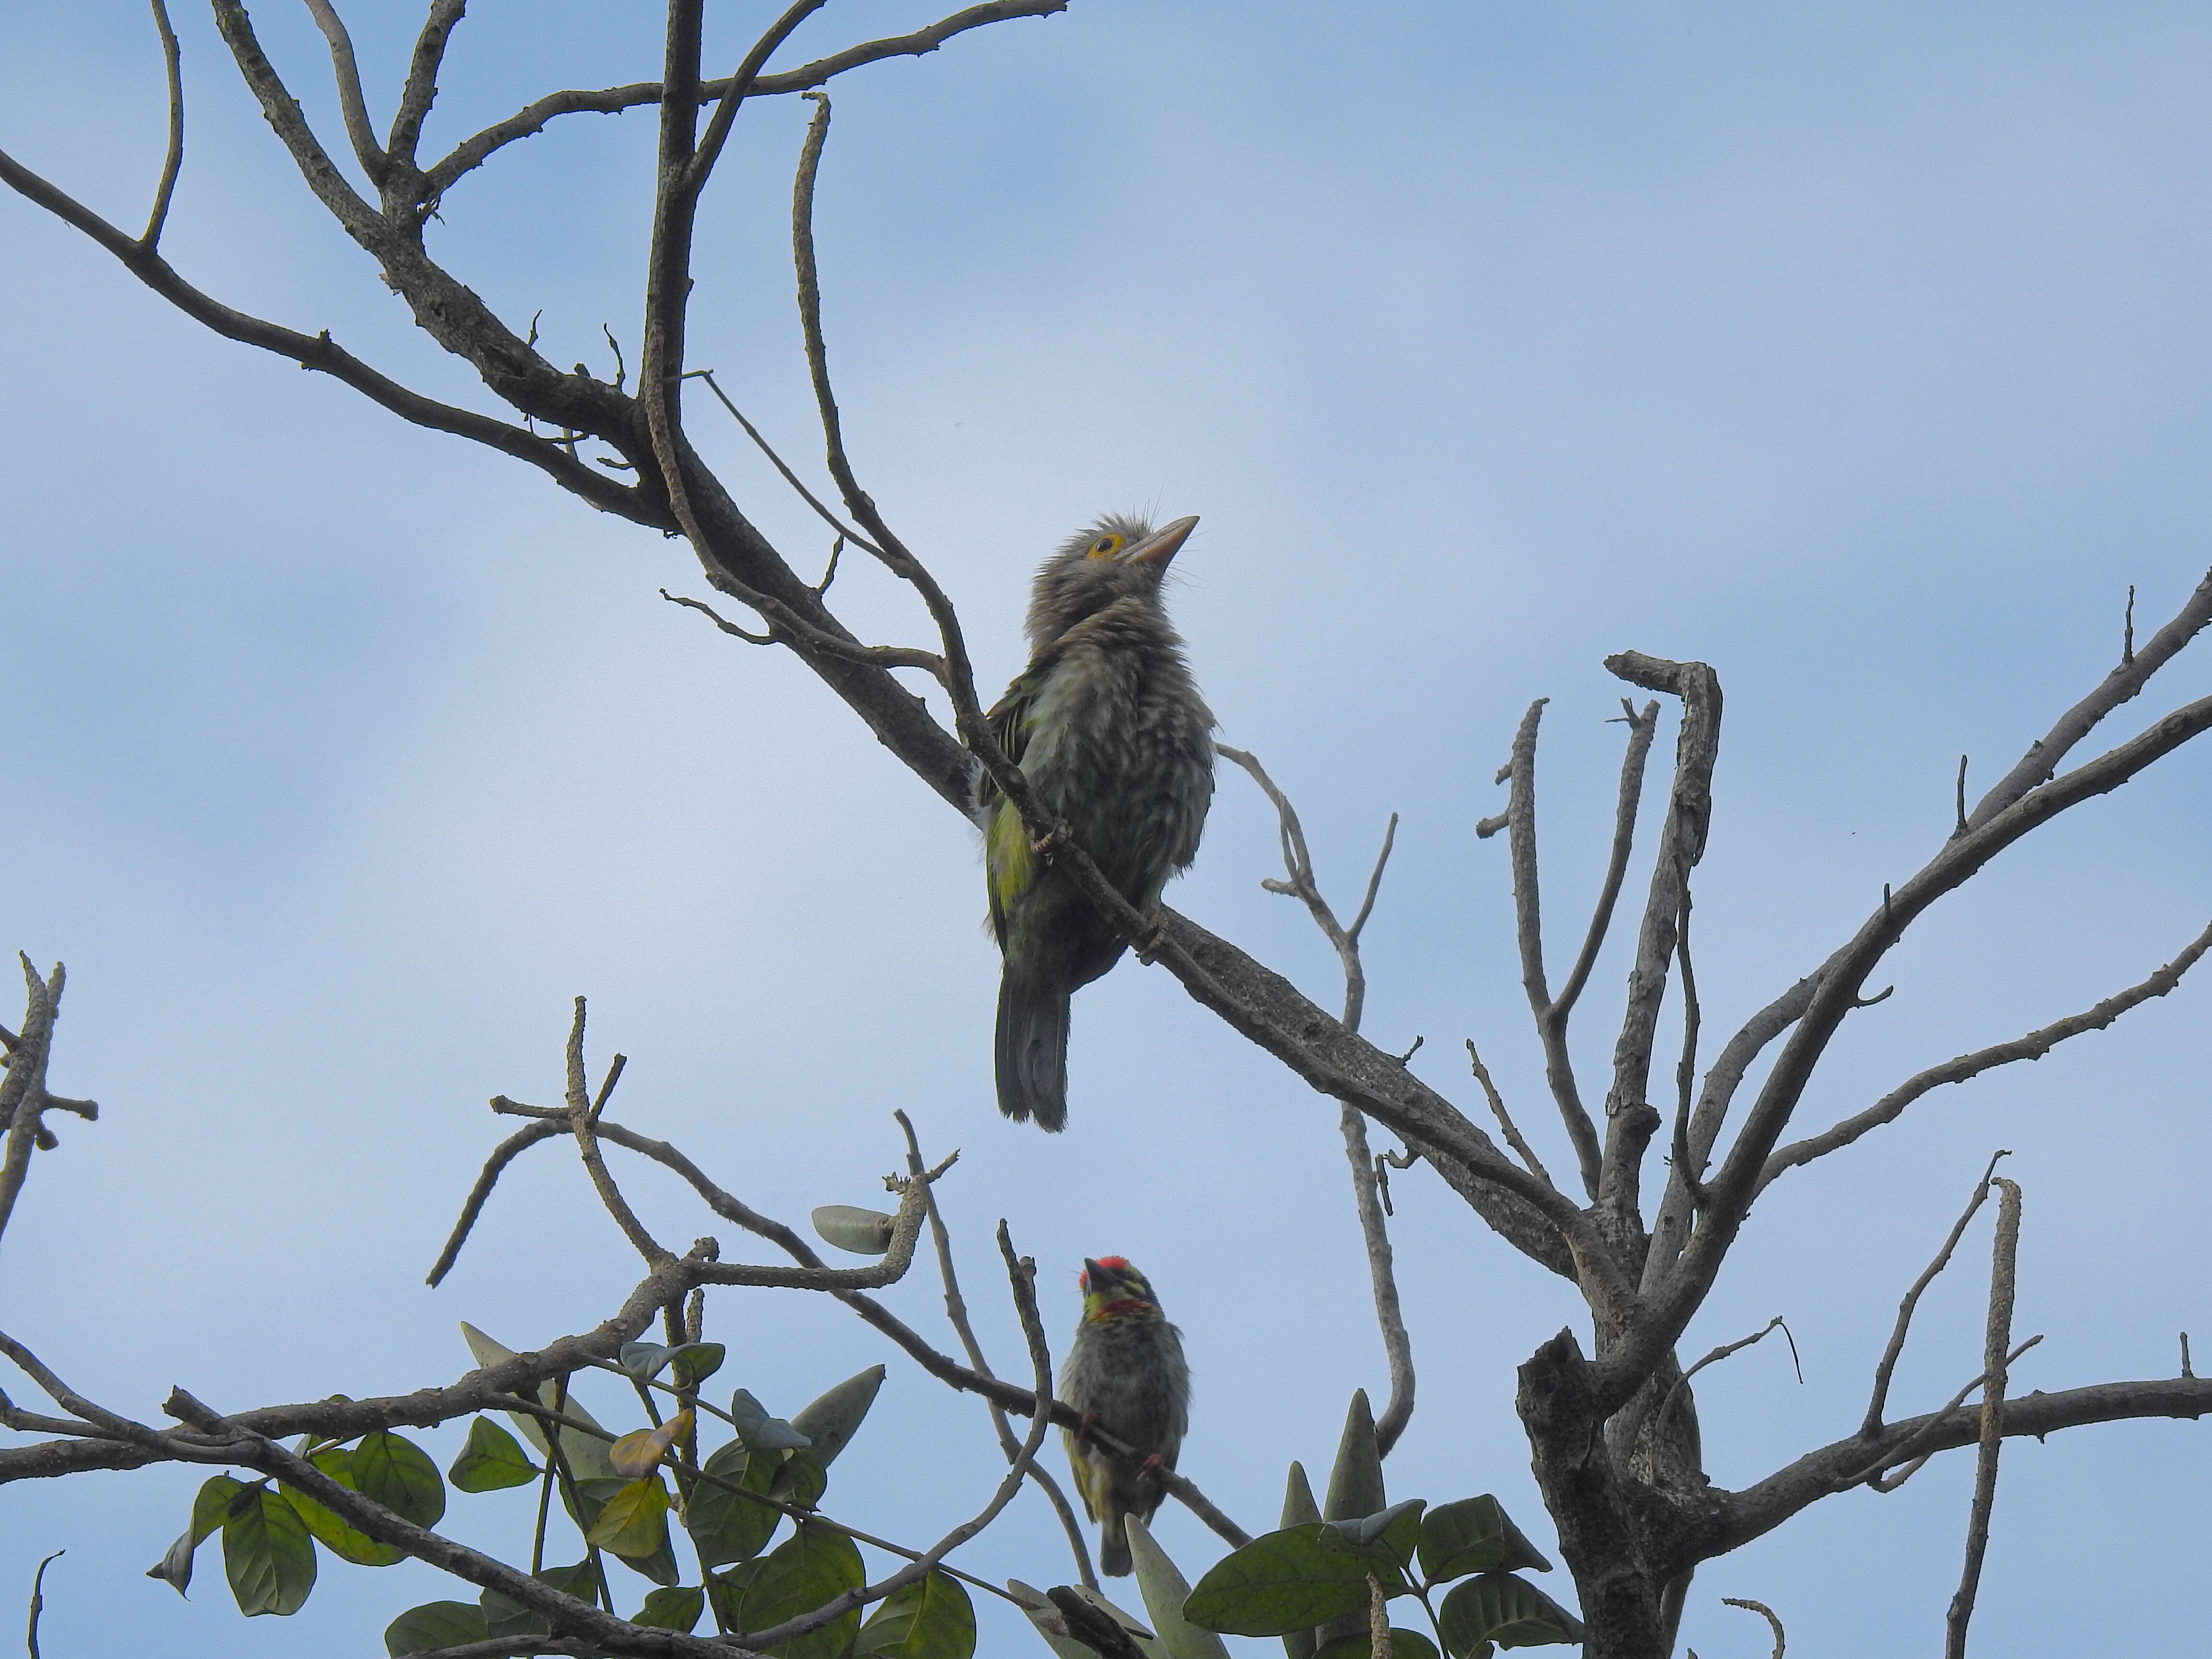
(1126, 1376)
(1107, 725)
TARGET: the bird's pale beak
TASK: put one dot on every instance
(1162, 544)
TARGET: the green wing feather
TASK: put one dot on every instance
(1007, 856)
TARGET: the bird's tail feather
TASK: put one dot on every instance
(1113, 1545)
(1032, 1054)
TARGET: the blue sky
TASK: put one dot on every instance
(1860, 352)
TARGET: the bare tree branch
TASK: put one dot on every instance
(2003, 1275)
(473, 152)
(956, 1309)
(362, 136)
(23, 1090)
(1631, 1119)
(1837, 987)
(2135, 670)
(173, 161)
(421, 87)
(2033, 1046)
(1879, 1402)
(1519, 820)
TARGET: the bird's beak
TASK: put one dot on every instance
(1096, 1279)
(1162, 544)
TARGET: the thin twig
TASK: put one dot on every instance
(1367, 1185)
(1764, 1612)
(1022, 1274)
(172, 161)
(2032, 1046)
(1872, 1425)
(583, 1124)
(1722, 1352)
(2003, 1275)
(2128, 630)
(473, 152)
(39, 1598)
(1961, 829)
(844, 531)
(1505, 1124)
(956, 1309)
(502, 1155)
(1931, 1430)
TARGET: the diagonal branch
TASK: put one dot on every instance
(2135, 670)
(1837, 989)
(2033, 1046)
(320, 353)
(422, 87)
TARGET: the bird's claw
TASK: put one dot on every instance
(1153, 1468)
(1151, 943)
(1083, 1428)
(1052, 840)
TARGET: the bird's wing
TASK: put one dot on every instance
(1006, 842)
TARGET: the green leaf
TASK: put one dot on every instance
(1286, 1581)
(760, 1432)
(643, 1360)
(1404, 1644)
(726, 1591)
(339, 1537)
(1355, 1485)
(1508, 1611)
(585, 1456)
(634, 1520)
(267, 1554)
(801, 1574)
(393, 1471)
(212, 1506)
(492, 1460)
(695, 1362)
(1473, 1535)
(673, 1610)
(432, 1625)
(725, 1527)
(930, 1619)
(1165, 1590)
(831, 1422)
(1298, 1509)
(800, 1479)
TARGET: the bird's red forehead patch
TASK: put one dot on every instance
(1118, 1263)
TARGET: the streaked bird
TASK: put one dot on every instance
(1126, 1376)
(1108, 725)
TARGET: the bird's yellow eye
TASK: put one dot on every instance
(1104, 546)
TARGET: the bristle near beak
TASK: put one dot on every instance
(1162, 544)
